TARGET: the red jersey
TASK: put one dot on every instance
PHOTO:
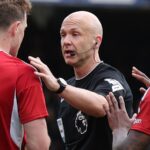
(142, 121)
(21, 100)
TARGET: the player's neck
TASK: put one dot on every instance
(4, 50)
(4, 43)
(4, 46)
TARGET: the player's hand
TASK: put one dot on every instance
(139, 75)
(45, 73)
(117, 116)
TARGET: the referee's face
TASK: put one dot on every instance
(77, 40)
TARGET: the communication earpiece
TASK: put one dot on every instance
(95, 45)
(73, 53)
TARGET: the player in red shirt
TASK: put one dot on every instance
(138, 137)
(22, 102)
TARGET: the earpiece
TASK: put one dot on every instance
(95, 45)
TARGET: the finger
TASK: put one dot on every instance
(39, 74)
(137, 71)
(108, 99)
(37, 59)
(111, 107)
(40, 61)
(107, 111)
(36, 65)
(142, 90)
(138, 77)
(114, 101)
(122, 104)
(144, 79)
(32, 58)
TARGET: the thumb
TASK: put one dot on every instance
(133, 117)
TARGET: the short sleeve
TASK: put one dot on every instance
(30, 96)
(110, 85)
(142, 121)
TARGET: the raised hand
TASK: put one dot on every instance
(139, 75)
(117, 116)
(118, 119)
(45, 73)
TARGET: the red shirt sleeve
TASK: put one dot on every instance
(30, 96)
(142, 122)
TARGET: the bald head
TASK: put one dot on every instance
(91, 21)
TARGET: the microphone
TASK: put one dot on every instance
(73, 53)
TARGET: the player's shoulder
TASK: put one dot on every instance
(23, 66)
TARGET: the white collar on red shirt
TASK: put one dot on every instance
(4, 52)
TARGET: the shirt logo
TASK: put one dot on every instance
(137, 121)
(116, 85)
(81, 123)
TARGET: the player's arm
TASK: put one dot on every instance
(135, 141)
(118, 119)
(89, 102)
(37, 135)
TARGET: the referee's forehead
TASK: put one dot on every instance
(89, 20)
(77, 21)
(79, 15)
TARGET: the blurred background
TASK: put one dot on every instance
(126, 42)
